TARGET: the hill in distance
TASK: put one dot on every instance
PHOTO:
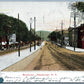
(43, 34)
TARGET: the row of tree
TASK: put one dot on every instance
(10, 25)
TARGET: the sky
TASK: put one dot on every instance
(49, 15)
(41, 0)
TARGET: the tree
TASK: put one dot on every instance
(10, 25)
(79, 6)
(54, 36)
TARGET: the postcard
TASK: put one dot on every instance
(41, 41)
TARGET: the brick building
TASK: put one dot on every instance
(79, 36)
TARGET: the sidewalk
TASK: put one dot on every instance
(72, 48)
(76, 49)
(12, 58)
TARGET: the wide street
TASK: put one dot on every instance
(50, 57)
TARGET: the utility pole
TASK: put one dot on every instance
(43, 36)
(18, 37)
(62, 34)
(40, 34)
(70, 21)
(34, 33)
(43, 19)
(56, 34)
(74, 28)
(30, 32)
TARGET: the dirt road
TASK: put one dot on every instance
(51, 57)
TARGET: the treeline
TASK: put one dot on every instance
(54, 36)
(9, 25)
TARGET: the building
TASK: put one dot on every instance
(11, 40)
(65, 37)
(80, 42)
(78, 39)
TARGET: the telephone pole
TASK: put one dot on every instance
(56, 34)
(74, 28)
(34, 33)
(43, 19)
(30, 32)
(62, 40)
(74, 15)
(40, 34)
(18, 38)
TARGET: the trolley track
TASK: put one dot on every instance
(66, 59)
(46, 61)
(39, 63)
(53, 57)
